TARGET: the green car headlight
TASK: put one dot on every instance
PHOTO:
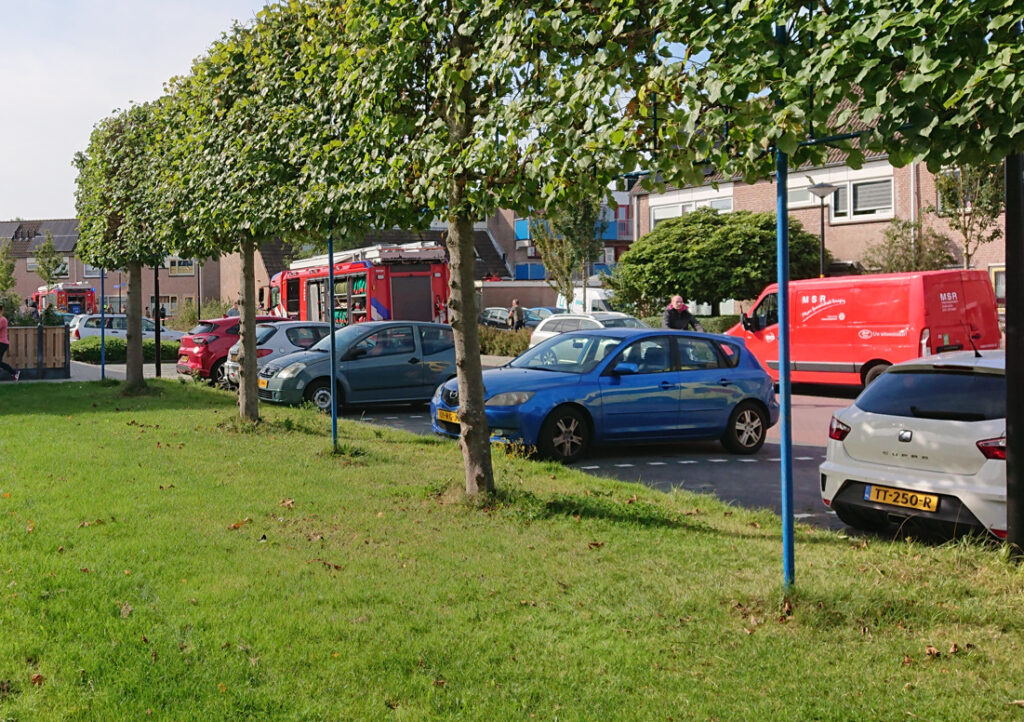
(510, 398)
(291, 371)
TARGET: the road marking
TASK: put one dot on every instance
(391, 418)
(590, 468)
(747, 461)
(717, 461)
(775, 458)
(687, 461)
(655, 463)
(804, 458)
(415, 417)
(804, 516)
(624, 466)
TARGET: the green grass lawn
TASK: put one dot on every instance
(160, 560)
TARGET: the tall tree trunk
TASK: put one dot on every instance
(248, 403)
(133, 372)
(475, 439)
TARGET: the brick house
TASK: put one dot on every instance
(181, 279)
(856, 215)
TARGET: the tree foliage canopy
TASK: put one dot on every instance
(709, 257)
(567, 237)
(970, 198)
(50, 265)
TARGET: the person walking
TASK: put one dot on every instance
(516, 315)
(678, 316)
(233, 311)
(4, 345)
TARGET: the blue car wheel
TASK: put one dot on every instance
(746, 430)
(565, 435)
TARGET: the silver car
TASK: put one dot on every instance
(274, 340)
(565, 322)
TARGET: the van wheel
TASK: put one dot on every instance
(565, 435)
(747, 429)
(874, 372)
(319, 394)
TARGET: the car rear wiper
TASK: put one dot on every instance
(946, 415)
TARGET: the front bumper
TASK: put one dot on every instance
(506, 424)
(280, 391)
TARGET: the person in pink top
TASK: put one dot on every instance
(4, 344)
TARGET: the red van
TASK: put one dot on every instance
(848, 330)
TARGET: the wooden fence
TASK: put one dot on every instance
(40, 352)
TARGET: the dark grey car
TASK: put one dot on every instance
(379, 362)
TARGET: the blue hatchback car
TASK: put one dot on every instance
(609, 385)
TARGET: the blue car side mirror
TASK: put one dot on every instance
(625, 369)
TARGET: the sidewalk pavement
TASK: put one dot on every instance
(91, 372)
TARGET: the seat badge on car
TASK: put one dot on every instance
(905, 435)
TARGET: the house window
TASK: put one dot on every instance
(869, 198)
(180, 266)
(31, 264)
(89, 271)
(170, 304)
(798, 197)
(722, 205)
(663, 213)
(62, 270)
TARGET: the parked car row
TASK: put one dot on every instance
(115, 325)
(498, 316)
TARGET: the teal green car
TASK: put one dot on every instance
(379, 362)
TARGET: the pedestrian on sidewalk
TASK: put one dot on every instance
(5, 344)
(516, 315)
(677, 316)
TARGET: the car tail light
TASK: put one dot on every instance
(1000, 533)
(75, 336)
(837, 429)
(261, 352)
(925, 337)
(993, 448)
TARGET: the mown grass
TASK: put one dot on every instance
(161, 560)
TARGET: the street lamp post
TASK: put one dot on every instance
(822, 191)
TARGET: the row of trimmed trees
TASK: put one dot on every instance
(324, 117)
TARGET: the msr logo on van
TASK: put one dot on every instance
(949, 300)
(818, 303)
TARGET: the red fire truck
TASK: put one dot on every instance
(66, 297)
(407, 282)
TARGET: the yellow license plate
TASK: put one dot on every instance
(262, 383)
(901, 497)
(448, 416)
(234, 357)
(183, 359)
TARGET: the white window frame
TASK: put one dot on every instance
(31, 264)
(89, 271)
(848, 216)
(174, 268)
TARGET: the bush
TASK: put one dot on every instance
(187, 318)
(711, 324)
(495, 342)
(88, 350)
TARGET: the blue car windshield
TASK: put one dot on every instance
(343, 337)
(574, 354)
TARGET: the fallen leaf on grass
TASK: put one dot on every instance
(595, 545)
(222, 687)
(439, 682)
(86, 570)
(631, 500)
(932, 651)
(391, 703)
(38, 679)
(126, 610)
(288, 503)
(6, 495)
(326, 563)
(954, 648)
(316, 536)
(907, 661)
(239, 524)
(31, 527)
(1018, 702)
(755, 525)
(168, 486)
(91, 523)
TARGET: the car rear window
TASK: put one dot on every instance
(959, 395)
(622, 323)
(203, 327)
(264, 332)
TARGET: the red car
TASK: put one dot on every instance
(204, 349)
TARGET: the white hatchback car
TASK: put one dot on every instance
(274, 340)
(923, 448)
(565, 322)
(88, 324)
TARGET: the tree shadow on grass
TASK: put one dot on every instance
(640, 513)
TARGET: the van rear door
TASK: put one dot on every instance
(958, 308)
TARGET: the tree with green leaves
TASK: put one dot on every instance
(122, 210)
(7, 278)
(487, 104)
(709, 257)
(909, 246)
(50, 265)
(568, 237)
(970, 199)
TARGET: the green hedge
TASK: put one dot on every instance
(88, 350)
(495, 342)
(711, 324)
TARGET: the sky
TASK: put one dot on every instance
(67, 64)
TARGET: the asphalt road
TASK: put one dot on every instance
(749, 481)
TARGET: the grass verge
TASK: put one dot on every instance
(161, 560)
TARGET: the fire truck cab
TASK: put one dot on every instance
(407, 282)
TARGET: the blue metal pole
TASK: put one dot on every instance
(103, 326)
(334, 351)
(786, 450)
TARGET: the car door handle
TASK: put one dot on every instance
(667, 385)
(724, 382)
(414, 360)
